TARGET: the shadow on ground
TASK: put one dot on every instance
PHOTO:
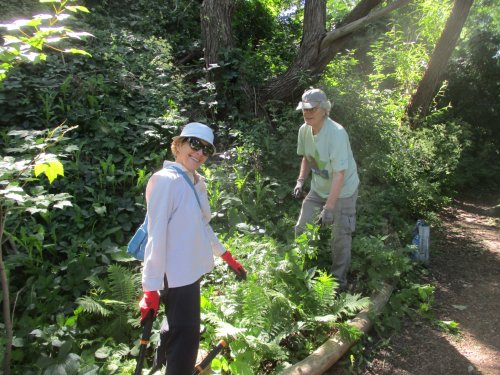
(465, 271)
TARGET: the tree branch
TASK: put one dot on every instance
(357, 24)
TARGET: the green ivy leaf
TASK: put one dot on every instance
(18, 342)
(241, 368)
(63, 204)
(100, 210)
(16, 197)
(103, 352)
(34, 210)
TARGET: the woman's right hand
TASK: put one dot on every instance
(150, 301)
(298, 190)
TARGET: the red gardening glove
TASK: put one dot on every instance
(150, 301)
(237, 268)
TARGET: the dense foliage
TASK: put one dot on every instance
(73, 288)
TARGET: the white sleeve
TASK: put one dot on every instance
(160, 206)
(217, 247)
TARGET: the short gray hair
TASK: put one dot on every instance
(326, 105)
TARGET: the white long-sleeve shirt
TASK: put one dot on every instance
(181, 243)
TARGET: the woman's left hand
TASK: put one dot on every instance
(237, 268)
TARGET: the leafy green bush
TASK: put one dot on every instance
(280, 313)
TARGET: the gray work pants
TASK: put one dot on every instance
(344, 223)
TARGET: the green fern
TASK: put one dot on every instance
(344, 306)
(322, 292)
(123, 284)
(92, 306)
(281, 312)
(114, 299)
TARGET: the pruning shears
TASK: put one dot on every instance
(146, 335)
(208, 359)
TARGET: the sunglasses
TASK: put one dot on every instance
(310, 110)
(197, 145)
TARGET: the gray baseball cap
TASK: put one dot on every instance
(313, 98)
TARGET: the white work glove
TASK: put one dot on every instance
(325, 218)
(298, 190)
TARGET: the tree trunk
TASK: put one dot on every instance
(6, 302)
(286, 85)
(422, 99)
(319, 47)
(216, 28)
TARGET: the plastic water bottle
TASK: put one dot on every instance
(421, 236)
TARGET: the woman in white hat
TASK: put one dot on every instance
(180, 249)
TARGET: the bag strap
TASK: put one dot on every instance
(183, 174)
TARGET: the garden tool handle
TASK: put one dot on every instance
(146, 335)
(206, 361)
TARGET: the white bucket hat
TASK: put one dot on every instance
(197, 130)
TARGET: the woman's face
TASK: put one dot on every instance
(314, 116)
(188, 157)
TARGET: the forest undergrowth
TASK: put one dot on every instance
(98, 126)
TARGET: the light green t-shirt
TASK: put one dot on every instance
(327, 152)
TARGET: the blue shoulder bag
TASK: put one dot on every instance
(137, 245)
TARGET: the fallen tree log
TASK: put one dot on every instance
(335, 347)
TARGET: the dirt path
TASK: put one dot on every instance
(465, 270)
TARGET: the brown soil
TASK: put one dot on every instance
(464, 268)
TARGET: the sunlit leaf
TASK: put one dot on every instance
(18, 342)
(100, 210)
(241, 368)
(36, 42)
(63, 204)
(59, 29)
(36, 333)
(52, 170)
(35, 210)
(53, 40)
(39, 169)
(9, 39)
(78, 35)
(43, 16)
(9, 26)
(103, 353)
(62, 16)
(76, 8)
(16, 197)
(77, 51)
(35, 22)
(326, 318)
(21, 23)
(13, 189)
(226, 329)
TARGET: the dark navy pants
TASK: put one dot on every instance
(180, 331)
